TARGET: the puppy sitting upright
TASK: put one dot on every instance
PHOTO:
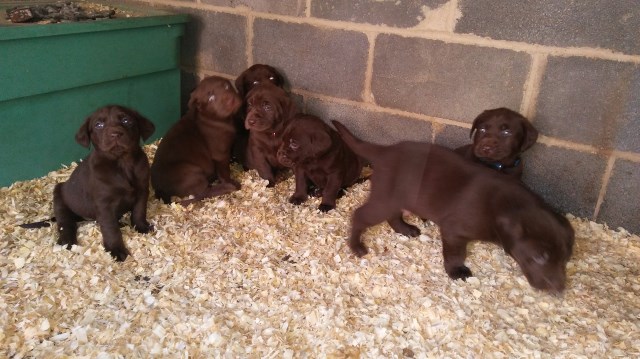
(500, 136)
(468, 202)
(253, 76)
(197, 149)
(112, 180)
(317, 154)
(269, 110)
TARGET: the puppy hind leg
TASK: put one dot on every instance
(400, 226)
(210, 192)
(364, 217)
(454, 251)
(66, 219)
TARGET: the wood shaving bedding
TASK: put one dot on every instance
(250, 275)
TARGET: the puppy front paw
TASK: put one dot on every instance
(358, 249)
(326, 207)
(119, 254)
(144, 228)
(297, 199)
(460, 272)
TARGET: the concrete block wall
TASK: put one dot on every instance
(423, 70)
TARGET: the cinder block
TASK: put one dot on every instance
(316, 59)
(372, 126)
(598, 23)
(591, 101)
(215, 41)
(568, 180)
(621, 207)
(402, 14)
(283, 7)
(446, 80)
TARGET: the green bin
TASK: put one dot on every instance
(52, 76)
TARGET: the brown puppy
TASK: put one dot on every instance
(248, 79)
(112, 180)
(468, 202)
(197, 149)
(317, 154)
(269, 110)
(255, 75)
(500, 136)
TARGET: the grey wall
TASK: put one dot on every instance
(423, 70)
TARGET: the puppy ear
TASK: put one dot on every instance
(476, 122)
(320, 142)
(145, 126)
(530, 135)
(240, 85)
(83, 136)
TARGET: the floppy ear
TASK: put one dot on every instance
(145, 126)
(530, 135)
(193, 100)
(476, 122)
(83, 136)
(320, 142)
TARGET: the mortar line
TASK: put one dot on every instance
(308, 9)
(532, 86)
(249, 39)
(606, 177)
(367, 95)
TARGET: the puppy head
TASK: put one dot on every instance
(258, 74)
(114, 129)
(214, 97)
(541, 245)
(268, 107)
(501, 135)
(306, 138)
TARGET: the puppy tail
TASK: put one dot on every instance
(40, 224)
(363, 149)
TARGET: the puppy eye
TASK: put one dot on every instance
(482, 130)
(125, 121)
(266, 106)
(271, 78)
(294, 146)
(541, 259)
(505, 133)
(99, 125)
(256, 82)
(226, 86)
(212, 98)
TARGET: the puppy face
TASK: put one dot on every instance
(215, 97)
(541, 249)
(115, 130)
(501, 135)
(305, 138)
(255, 75)
(267, 105)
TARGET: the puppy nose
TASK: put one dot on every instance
(116, 134)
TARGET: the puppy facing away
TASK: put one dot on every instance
(468, 202)
(500, 136)
(269, 111)
(112, 180)
(253, 76)
(317, 154)
(197, 149)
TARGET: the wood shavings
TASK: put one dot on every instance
(250, 275)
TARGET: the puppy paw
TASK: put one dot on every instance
(358, 249)
(144, 228)
(461, 272)
(297, 199)
(326, 207)
(119, 254)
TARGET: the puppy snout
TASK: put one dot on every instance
(116, 133)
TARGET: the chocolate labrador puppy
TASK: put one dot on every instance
(112, 180)
(197, 149)
(269, 111)
(248, 79)
(468, 202)
(500, 136)
(317, 153)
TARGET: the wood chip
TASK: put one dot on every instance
(250, 275)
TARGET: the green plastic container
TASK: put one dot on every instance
(52, 76)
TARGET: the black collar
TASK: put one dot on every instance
(501, 166)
